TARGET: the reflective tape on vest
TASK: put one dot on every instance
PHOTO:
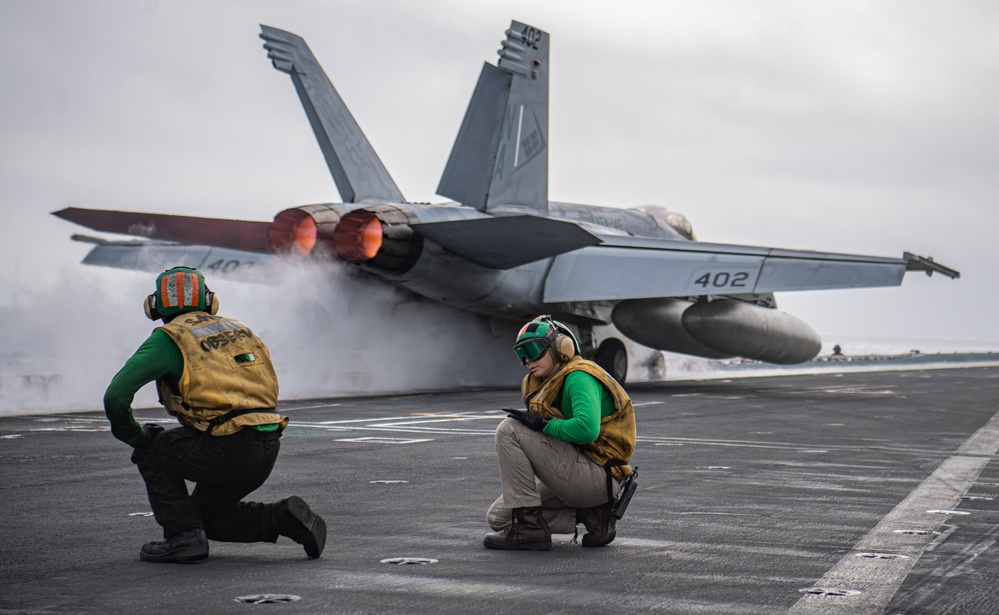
(217, 327)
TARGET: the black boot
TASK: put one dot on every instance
(599, 522)
(293, 518)
(189, 546)
(528, 532)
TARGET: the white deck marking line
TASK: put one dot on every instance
(382, 440)
(879, 579)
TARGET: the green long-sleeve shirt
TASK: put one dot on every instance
(157, 357)
(583, 402)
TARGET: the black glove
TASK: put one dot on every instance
(533, 421)
(153, 430)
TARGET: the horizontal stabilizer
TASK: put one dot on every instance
(156, 257)
(507, 242)
(636, 268)
(244, 235)
(928, 265)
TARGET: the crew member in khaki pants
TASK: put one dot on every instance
(562, 459)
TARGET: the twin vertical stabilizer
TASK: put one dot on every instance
(359, 174)
(500, 157)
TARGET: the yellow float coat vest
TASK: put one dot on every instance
(617, 431)
(226, 368)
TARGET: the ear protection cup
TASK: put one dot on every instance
(213, 302)
(564, 345)
(149, 306)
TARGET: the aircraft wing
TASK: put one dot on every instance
(635, 268)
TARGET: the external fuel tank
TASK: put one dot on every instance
(656, 324)
(717, 329)
(752, 331)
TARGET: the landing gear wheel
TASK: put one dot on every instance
(612, 356)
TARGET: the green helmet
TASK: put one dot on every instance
(179, 290)
(538, 335)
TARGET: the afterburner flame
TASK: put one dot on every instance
(302, 230)
(358, 237)
(304, 236)
(371, 238)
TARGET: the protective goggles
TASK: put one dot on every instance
(532, 350)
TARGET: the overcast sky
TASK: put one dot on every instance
(865, 127)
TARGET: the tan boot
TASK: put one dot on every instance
(528, 532)
(600, 524)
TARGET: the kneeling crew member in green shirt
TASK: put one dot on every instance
(563, 459)
(217, 378)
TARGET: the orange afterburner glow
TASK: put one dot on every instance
(296, 231)
(303, 236)
(358, 236)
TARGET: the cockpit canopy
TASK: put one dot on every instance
(666, 217)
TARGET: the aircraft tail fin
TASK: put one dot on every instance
(500, 157)
(358, 172)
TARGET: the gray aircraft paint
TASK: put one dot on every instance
(479, 254)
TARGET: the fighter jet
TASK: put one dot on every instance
(500, 248)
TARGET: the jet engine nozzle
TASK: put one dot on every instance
(304, 230)
(380, 237)
(358, 237)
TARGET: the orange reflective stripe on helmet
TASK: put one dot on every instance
(187, 284)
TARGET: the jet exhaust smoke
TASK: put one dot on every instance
(330, 331)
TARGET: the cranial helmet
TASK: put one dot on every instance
(541, 334)
(180, 290)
